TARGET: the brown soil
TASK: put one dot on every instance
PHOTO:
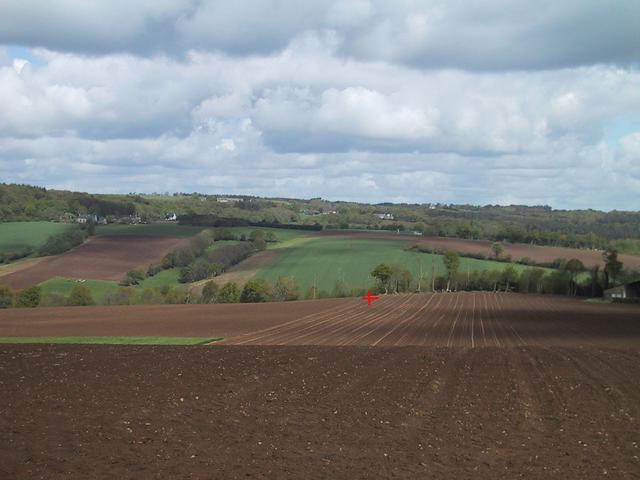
(516, 250)
(101, 258)
(467, 319)
(78, 412)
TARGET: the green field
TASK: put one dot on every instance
(282, 234)
(110, 340)
(63, 286)
(160, 279)
(159, 229)
(16, 235)
(331, 259)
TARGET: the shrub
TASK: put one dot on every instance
(62, 242)
(257, 235)
(174, 295)
(122, 296)
(29, 297)
(6, 257)
(6, 297)
(133, 277)
(210, 292)
(80, 296)
(255, 291)
(341, 289)
(259, 244)
(53, 300)
(153, 269)
(229, 293)
(285, 289)
(151, 296)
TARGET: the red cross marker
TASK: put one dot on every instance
(370, 298)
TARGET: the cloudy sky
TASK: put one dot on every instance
(500, 101)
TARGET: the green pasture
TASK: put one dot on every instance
(110, 340)
(16, 235)
(351, 260)
(160, 279)
(63, 286)
(158, 229)
(282, 234)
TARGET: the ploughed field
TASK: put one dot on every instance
(465, 319)
(102, 258)
(76, 412)
(443, 386)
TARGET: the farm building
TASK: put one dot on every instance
(628, 290)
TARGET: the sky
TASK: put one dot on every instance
(492, 102)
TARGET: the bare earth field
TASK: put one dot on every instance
(100, 258)
(437, 386)
(465, 319)
(516, 250)
(77, 412)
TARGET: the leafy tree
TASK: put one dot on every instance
(497, 249)
(400, 279)
(6, 297)
(29, 297)
(573, 267)
(270, 237)
(509, 276)
(153, 269)
(341, 289)
(122, 296)
(133, 277)
(612, 266)
(255, 291)
(91, 227)
(383, 272)
(229, 293)
(257, 235)
(259, 244)
(210, 292)
(174, 295)
(452, 264)
(80, 296)
(285, 289)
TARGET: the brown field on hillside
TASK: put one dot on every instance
(517, 251)
(465, 319)
(103, 412)
(100, 258)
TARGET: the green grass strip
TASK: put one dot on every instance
(110, 340)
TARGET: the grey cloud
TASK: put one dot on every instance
(491, 35)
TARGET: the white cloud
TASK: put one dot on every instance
(363, 99)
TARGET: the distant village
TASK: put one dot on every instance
(110, 219)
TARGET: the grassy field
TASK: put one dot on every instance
(330, 259)
(282, 234)
(159, 229)
(63, 286)
(15, 235)
(110, 340)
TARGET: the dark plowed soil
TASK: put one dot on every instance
(79, 412)
(101, 258)
(517, 251)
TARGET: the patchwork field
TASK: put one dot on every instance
(516, 250)
(100, 258)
